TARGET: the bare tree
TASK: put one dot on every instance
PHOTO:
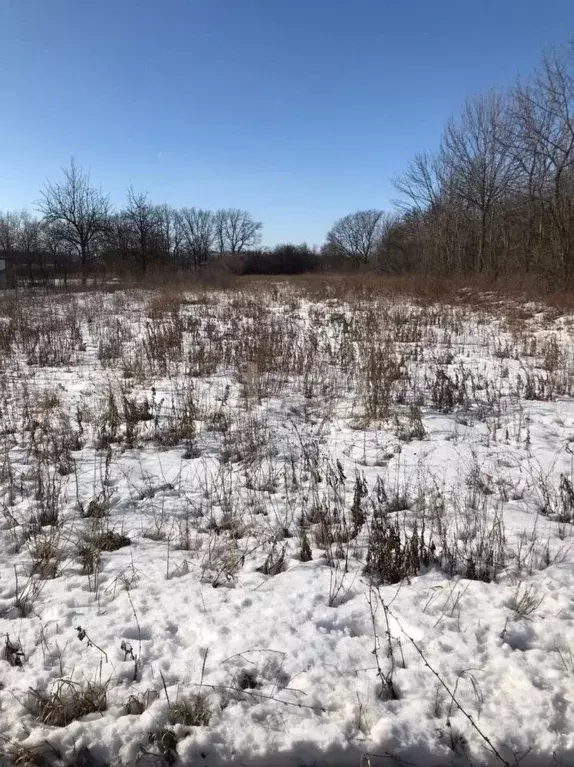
(543, 138)
(79, 212)
(143, 220)
(357, 235)
(236, 231)
(199, 233)
(170, 233)
(422, 184)
(29, 243)
(9, 230)
(481, 170)
(59, 251)
(29, 233)
(20, 234)
(428, 211)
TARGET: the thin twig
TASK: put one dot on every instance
(165, 688)
(259, 695)
(473, 724)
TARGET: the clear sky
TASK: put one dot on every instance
(297, 110)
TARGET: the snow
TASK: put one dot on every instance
(278, 386)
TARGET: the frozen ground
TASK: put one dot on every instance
(279, 526)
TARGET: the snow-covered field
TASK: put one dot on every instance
(285, 526)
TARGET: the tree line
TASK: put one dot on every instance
(495, 198)
(78, 229)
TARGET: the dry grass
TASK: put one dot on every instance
(46, 555)
(67, 702)
(246, 391)
(190, 712)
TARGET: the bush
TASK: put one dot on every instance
(283, 259)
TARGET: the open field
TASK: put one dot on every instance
(290, 523)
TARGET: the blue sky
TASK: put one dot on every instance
(299, 111)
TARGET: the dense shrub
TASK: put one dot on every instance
(283, 259)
